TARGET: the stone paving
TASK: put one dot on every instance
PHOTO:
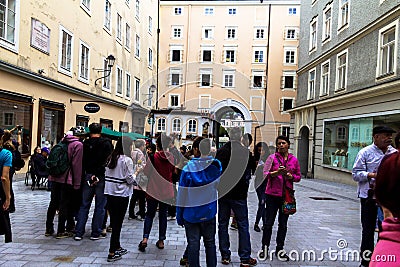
(326, 224)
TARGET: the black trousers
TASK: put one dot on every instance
(273, 206)
(5, 224)
(140, 196)
(117, 207)
(369, 211)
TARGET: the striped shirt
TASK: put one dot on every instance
(119, 180)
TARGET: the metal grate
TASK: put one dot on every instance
(323, 198)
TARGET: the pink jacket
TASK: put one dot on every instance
(275, 184)
(387, 250)
(73, 175)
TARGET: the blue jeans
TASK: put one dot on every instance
(88, 192)
(239, 208)
(162, 217)
(261, 204)
(194, 231)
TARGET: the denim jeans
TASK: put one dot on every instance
(162, 217)
(239, 208)
(117, 207)
(369, 212)
(88, 192)
(140, 196)
(274, 205)
(261, 203)
(194, 231)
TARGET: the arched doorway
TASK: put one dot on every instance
(303, 151)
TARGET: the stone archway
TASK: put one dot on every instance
(303, 152)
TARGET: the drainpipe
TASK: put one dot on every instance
(189, 19)
(266, 75)
(158, 52)
(314, 138)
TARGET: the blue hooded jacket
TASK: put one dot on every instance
(197, 193)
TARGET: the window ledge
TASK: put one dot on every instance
(385, 75)
(335, 168)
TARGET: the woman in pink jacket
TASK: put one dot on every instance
(281, 168)
(387, 188)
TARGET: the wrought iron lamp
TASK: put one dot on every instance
(110, 63)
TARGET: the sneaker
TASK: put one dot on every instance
(49, 232)
(281, 255)
(257, 228)
(140, 218)
(248, 263)
(114, 257)
(109, 229)
(226, 260)
(171, 218)
(104, 231)
(62, 235)
(234, 226)
(184, 261)
(131, 218)
(77, 238)
(121, 251)
(103, 235)
(97, 237)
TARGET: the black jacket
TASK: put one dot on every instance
(236, 170)
(96, 151)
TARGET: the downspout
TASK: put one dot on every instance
(266, 76)
(158, 51)
(314, 138)
(187, 54)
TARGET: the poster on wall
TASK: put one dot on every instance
(40, 36)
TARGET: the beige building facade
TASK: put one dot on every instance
(227, 63)
(53, 55)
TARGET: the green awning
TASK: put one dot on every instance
(114, 135)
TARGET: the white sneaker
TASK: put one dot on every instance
(77, 238)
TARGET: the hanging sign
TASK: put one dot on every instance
(91, 107)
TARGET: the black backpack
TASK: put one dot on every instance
(58, 163)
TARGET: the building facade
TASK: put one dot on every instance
(348, 82)
(228, 63)
(53, 55)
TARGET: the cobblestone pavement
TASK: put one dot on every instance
(330, 224)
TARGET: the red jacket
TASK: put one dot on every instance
(159, 173)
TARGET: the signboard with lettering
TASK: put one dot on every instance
(40, 36)
(91, 107)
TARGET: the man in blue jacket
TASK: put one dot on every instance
(197, 202)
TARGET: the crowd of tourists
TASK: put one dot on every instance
(211, 182)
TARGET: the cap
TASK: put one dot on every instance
(46, 149)
(382, 129)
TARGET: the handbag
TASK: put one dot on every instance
(142, 180)
(289, 201)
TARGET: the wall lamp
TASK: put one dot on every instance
(152, 89)
(110, 63)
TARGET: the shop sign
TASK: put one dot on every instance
(91, 107)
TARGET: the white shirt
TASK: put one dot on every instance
(120, 179)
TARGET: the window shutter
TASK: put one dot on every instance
(295, 82)
(169, 56)
(169, 81)
(199, 80)
(211, 79)
(181, 54)
(284, 34)
(281, 105)
(282, 82)
(223, 56)
(180, 79)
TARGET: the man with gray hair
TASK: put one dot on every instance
(139, 195)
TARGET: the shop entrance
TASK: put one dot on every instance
(303, 152)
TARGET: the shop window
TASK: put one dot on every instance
(343, 139)
(124, 127)
(51, 123)
(82, 120)
(107, 123)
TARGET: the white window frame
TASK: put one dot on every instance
(210, 30)
(206, 72)
(64, 69)
(119, 28)
(260, 33)
(137, 46)
(161, 124)
(231, 76)
(108, 16)
(339, 69)
(106, 82)
(289, 74)
(282, 104)
(170, 96)
(173, 48)
(137, 89)
(150, 25)
(128, 37)
(382, 49)
(252, 105)
(232, 11)
(293, 36)
(137, 10)
(259, 54)
(292, 11)
(177, 10)
(281, 130)
(192, 126)
(176, 125)
(119, 89)
(150, 59)
(11, 115)
(231, 32)
(313, 34)
(327, 24)
(260, 73)
(325, 76)
(290, 50)
(85, 64)
(172, 72)
(11, 44)
(209, 11)
(128, 85)
(85, 5)
(343, 24)
(311, 84)
(208, 96)
(176, 32)
(208, 49)
(225, 56)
